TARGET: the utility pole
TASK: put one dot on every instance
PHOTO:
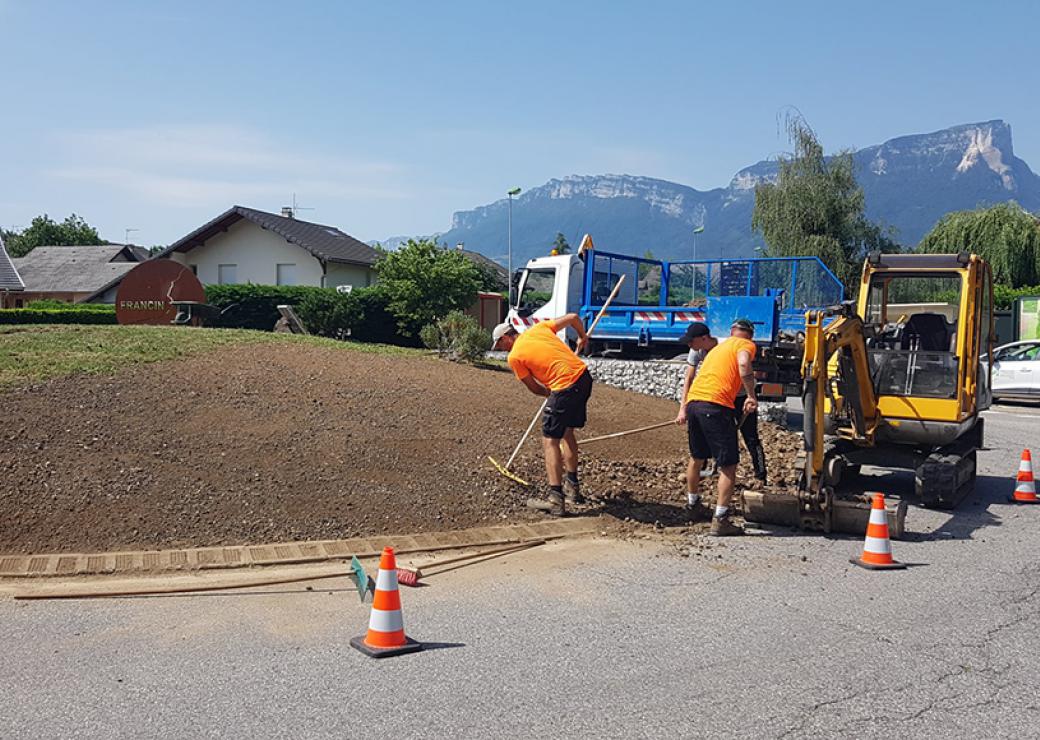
(509, 239)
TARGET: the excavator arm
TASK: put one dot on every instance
(835, 368)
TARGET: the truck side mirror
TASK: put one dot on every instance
(515, 280)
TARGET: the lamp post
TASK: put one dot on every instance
(693, 279)
(509, 239)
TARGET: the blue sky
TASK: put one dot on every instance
(387, 117)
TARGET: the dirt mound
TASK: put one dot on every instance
(292, 442)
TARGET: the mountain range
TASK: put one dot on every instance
(908, 183)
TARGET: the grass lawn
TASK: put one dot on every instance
(30, 353)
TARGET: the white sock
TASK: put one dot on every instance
(692, 498)
(720, 511)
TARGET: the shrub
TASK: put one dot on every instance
(256, 306)
(49, 303)
(57, 316)
(457, 337)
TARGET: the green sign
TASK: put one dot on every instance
(361, 580)
(1029, 318)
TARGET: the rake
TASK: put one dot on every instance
(504, 469)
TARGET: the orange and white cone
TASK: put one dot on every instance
(877, 548)
(1025, 487)
(386, 625)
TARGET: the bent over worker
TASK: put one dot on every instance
(547, 366)
(711, 421)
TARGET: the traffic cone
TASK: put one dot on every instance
(386, 626)
(877, 550)
(1025, 488)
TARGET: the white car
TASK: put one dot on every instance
(1016, 370)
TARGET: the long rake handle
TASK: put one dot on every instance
(623, 434)
(541, 408)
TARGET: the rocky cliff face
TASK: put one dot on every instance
(909, 183)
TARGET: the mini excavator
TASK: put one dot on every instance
(897, 380)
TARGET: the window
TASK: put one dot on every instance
(194, 270)
(227, 274)
(285, 274)
(537, 289)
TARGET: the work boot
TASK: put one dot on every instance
(553, 506)
(572, 492)
(695, 504)
(723, 526)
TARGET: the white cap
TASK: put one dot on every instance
(498, 332)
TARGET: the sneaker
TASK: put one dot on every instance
(724, 527)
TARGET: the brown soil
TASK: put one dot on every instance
(287, 442)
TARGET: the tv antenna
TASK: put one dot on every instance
(126, 236)
(296, 208)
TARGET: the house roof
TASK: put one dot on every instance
(327, 243)
(9, 278)
(74, 269)
(479, 259)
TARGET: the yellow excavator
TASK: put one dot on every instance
(895, 381)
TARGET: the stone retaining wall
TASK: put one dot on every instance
(661, 378)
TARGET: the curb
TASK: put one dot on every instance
(244, 556)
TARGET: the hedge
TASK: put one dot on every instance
(48, 303)
(361, 315)
(57, 316)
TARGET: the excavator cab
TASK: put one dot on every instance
(896, 380)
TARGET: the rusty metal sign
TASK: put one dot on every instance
(146, 293)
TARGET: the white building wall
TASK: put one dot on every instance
(256, 252)
(356, 275)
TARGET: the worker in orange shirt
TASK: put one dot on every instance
(711, 418)
(547, 366)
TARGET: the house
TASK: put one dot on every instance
(73, 274)
(244, 245)
(496, 272)
(11, 285)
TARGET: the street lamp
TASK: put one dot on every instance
(693, 279)
(509, 239)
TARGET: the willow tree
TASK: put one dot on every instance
(1007, 236)
(815, 208)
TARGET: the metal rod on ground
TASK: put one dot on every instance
(504, 470)
(623, 434)
(486, 554)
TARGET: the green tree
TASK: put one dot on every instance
(423, 282)
(560, 245)
(1005, 235)
(815, 208)
(45, 231)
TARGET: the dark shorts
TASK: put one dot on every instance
(712, 432)
(566, 409)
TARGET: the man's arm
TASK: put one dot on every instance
(573, 321)
(691, 371)
(534, 386)
(747, 377)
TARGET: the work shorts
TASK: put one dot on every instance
(565, 409)
(712, 432)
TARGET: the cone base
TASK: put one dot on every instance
(877, 566)
(410, 646)
(1014, 500)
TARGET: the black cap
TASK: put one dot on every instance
(694, 330)
(744, 325)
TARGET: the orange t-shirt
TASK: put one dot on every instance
(539, 352)
(718, 377)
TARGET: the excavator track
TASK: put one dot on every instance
(945, 478)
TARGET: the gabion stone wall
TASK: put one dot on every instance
(660, 378)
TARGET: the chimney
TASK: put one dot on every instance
(460, 246)
(287, 211)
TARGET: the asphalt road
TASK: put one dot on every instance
(775, 635)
